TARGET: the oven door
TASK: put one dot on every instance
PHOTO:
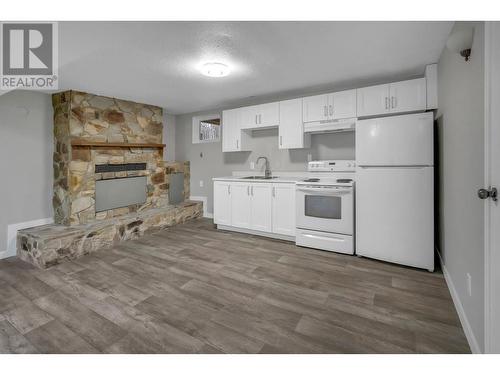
(325, 208)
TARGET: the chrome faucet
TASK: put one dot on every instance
(267, 172)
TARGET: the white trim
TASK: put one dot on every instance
(205, 206)
(12, 234)
(195, 128)
(471, 339)
(488, 46)
(257, 233)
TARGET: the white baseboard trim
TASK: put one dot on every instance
(12, 234)
(471, 339)
(256, 233)
(204, 200)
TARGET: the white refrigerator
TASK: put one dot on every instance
(395, 189)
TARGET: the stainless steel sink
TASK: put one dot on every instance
(258, 178)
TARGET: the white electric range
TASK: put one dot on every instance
(325, 206)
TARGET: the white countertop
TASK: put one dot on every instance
(277, 179)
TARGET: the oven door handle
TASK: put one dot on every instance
(325, 191)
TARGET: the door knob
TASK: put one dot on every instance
(484, 194)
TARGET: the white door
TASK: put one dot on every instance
(315, 108)
(261, 213)
(222, 203)
(408, 96)
(343, 104)
(395, 215)
(240, 205)
(268, 114)
(291, 128)
(373, 100)
(397, 140)
(492, 177)
(283, 212)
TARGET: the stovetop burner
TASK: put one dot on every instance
(312, 180)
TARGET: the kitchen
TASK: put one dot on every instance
(320, 211)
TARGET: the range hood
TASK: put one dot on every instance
(330, 126)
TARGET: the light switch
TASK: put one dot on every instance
(201, 183)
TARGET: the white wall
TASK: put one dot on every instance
(208, 160)
(169, 136)
(26, 149)
(461, 165)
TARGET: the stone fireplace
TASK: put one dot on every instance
(93, 131)
(110, 180)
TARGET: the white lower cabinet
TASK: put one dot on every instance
(283, 209)
(222, 206)
(241, 205)
(261, 216)
(263, 207)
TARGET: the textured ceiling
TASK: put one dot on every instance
(157, 62)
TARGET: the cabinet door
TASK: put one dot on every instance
(230, 130)
(240, 205)
(284, 209)
(373, 100)
(222, 203)
(408, 96)
(268, 114)
(249, 117)
(343, 104)
(291, 128)
(261, 217)
(315, 108)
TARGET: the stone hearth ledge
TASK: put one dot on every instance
(48, 245)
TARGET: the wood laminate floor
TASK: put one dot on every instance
(193, 289)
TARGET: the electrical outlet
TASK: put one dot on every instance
(469, 284)
(252, 165)
(309, 157)
(201, 183)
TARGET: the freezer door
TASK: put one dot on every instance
(394, 215)
(396, 141)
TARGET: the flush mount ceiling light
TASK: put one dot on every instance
(215, 69)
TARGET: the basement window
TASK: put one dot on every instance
(206, 129)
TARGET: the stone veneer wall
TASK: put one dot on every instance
(86, 117)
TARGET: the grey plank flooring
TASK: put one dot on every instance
(193, 289)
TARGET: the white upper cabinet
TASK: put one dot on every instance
(260, 116)
(268, 114)
(408, 96)
(398, 97)
(315, 108)
(248, 117)
(343, 104)
(291, 128)
(338, 105)
(373, 100)
(233, 139)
